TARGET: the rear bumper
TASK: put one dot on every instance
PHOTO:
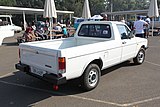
(54, 79)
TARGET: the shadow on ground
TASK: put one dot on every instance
(10, 44)
(20, 89)
(111, 69)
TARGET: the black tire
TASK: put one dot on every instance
(139, 59)
(91, 77)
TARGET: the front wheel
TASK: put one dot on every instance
(139, 59)
(91, 77)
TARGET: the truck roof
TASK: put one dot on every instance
(5, 15)
(101, 22)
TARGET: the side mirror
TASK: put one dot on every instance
(131, 34)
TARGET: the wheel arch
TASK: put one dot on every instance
(138, 48)
(144, 47)
(98, 62)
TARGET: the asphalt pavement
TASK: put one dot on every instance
(124, 85)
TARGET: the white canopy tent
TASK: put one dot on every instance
(86, 10)
(97, 17)
(24, 11)
(153, 11)
(50, 12)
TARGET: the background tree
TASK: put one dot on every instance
(124, 5)
(8, 2)
(96, 6)
(30, 3)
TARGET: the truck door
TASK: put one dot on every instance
(128, 43)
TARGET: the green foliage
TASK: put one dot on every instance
(7, 2)
(96, 6)
(124, 5)
(30, 3)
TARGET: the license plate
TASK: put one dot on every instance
(37, 71)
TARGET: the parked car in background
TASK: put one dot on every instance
(6, 28)
(156, 22)
(77, 21)
(17, 29)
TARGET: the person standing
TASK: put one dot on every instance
(123, 20)
(139, 27)
(147, 27)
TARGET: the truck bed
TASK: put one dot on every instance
(44, 54)
(60, 44)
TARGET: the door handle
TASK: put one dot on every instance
(124, 42)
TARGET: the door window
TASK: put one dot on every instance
(124, 31)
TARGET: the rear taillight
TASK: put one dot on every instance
(62, 64)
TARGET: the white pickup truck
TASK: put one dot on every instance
(6, 27)
(95, 46)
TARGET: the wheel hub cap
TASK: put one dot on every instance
(92, 78)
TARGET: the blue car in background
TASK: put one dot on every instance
(77, 21)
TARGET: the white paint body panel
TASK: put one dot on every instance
(6, 31)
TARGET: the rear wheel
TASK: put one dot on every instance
(139, 59)
(91, 77)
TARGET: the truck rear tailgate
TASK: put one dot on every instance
(38, 58)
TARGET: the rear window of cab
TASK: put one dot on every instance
(95, 30)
